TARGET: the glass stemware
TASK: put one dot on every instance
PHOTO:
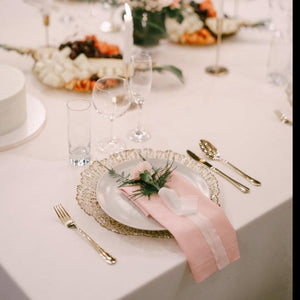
(216, 69)
(279, 59)
(140, 85)
(111, 98)
(281, 15)
(280, 53)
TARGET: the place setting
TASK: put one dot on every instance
(154, 193)
(148, 192)
(96, 197)
(164, 194)
(143, 191)
(138, 171)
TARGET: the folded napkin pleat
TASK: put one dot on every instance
(206, 237)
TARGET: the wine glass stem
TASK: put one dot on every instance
(112, 14)
(140, 119)
(219, 39)
(111, 129)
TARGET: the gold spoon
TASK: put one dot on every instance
(283, 118)
(212, 152)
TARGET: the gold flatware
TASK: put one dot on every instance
(282, 117)
(69, 222)
(212, 152)
(238, 185)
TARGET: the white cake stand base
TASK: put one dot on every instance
(36, 117)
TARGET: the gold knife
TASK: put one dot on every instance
(238, 185)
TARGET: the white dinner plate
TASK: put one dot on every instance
(121, 209)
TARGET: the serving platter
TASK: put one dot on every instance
(78, 70)
(200, 25)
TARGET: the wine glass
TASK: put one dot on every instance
(111, 98)
(279, 59)
(140, 85)
(281, 15)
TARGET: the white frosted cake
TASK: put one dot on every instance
(13, 108)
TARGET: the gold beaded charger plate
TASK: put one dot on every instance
(93, 194)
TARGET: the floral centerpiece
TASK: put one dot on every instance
(149, 19)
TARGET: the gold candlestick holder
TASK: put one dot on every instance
(46, 22)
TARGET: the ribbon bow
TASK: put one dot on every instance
(181, 206)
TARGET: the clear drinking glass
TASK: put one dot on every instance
(140, 85)
(79, 132)
(111, 98)
(279, 64)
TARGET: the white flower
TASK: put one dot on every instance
(191, 23)
(152, 5)
(140, 168)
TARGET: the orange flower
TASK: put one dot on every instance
(208, 5)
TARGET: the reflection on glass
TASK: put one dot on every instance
(111, 98)
(140, 84)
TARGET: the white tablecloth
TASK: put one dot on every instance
(41, 259)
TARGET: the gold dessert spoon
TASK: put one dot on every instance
(212, 152)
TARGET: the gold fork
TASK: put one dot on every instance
(69, 222)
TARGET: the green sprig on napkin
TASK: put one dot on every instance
(145, 177)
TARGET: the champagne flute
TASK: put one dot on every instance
(216, 69)
(140, 85)
(111, 98)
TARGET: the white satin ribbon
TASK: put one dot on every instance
(181, 206)
(212, 238)
(188, 206)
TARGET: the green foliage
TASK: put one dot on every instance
(174, 13)
(148, 183)
(174, 70)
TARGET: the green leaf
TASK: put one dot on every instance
(177, 72)
(147, 184)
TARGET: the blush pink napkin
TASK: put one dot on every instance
(207, 238)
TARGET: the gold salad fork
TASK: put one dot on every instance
(69, 222)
